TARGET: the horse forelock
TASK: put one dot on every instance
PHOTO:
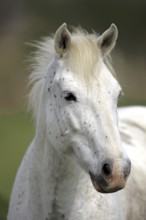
(83, 56)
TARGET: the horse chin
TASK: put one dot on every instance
(101, 189)
(97, 187)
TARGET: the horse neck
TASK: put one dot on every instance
(49, 159)
(55, 163)
(56, 174)
(56, 171)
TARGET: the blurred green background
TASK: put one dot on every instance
(24, 21)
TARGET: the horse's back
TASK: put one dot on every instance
(135, 116)
(132, 123)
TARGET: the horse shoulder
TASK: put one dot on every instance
(32, 193)
(20, 190)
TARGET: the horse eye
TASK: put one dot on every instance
(70, 97)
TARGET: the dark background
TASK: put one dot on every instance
(23, 21)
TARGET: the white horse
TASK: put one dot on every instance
(77, 140)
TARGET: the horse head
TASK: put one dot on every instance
(81, 96)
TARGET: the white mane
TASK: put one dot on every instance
(84, 49)
(41, 59)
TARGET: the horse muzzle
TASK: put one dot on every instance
(112, 177)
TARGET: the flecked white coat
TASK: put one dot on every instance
(72, 138)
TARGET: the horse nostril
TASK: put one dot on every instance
(106, 169)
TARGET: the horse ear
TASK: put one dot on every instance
(108, 39)
(62, 40)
